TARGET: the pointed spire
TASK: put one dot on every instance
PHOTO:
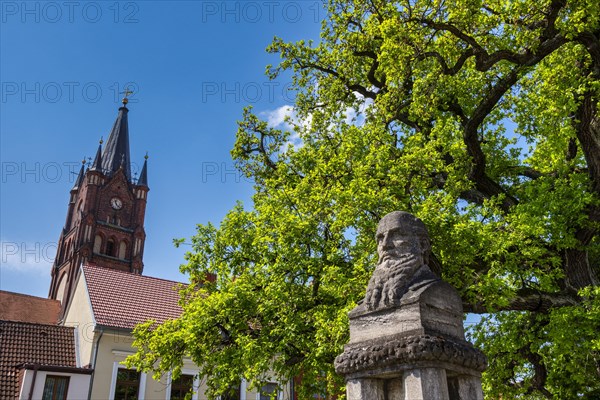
(116, 152)
(97, 165)
(143, 180)
(79, 180)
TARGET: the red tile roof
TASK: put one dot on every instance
(23, 342)
(25, 308)
(122, 299)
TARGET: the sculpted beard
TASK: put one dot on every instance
(401, 266)
(400, 258)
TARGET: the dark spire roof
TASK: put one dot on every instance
(79, 180)
(97, 165)
(143, 180)
(116, 152)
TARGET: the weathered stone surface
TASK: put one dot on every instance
(390, 355)
(426, 384)
(468, 387)
(429, 306)
(394, 389)
(403, 248)
(361, 389)
(407, 337)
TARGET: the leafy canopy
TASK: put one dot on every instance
(479, 117)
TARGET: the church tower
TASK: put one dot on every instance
(105, 216)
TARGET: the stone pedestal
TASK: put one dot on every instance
(358, 389)
(415, 350)
(406, 338)
(425, 383)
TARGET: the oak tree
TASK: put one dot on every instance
(481, 118)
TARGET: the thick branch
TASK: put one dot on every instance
(352, 86)
(588, 134)
(528, 299)
(371, 74)
(262, 150)
(578, 270)
(527, 172)
(540, 372)
(549, 41)
(591, 41)
(445, 68)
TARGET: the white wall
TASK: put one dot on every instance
(79, 315)
(115, 347)
(79, 384)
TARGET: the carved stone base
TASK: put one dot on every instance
(393, 355)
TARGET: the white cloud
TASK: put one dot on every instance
(354, 117)
(285, 118)
(278, 118)
(350, 115)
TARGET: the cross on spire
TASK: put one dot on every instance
(127, 92)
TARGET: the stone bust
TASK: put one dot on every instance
(407, 338)
(403, 249)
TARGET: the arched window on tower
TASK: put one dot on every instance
(63, 253)
(97, 244)
(78, 213)
(122, 249)
(60, 292)
(67, 249)
(110, 247)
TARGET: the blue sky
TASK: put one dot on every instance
(193, 65)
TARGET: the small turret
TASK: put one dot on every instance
(143, 179)
(79, 180)
(97, 165)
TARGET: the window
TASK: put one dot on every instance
(97, 244)
(110, 248)
(268, 392)
(128, 382)
(122, 249)
(181, 386)
(60, 292)
(63, 252)
(232, 394)
(55, 387)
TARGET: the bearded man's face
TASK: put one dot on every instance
(403, 248)
(396, 249)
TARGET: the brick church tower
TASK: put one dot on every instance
(105, 217)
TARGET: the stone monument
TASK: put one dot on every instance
(407, 340)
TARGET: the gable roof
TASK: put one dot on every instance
(122, 299)
(25, 308)
(28, 343)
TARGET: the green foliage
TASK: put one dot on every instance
(479, 118)
(565, 340)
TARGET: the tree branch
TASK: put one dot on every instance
(352, 86)
(527, 299)
(371, 74)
